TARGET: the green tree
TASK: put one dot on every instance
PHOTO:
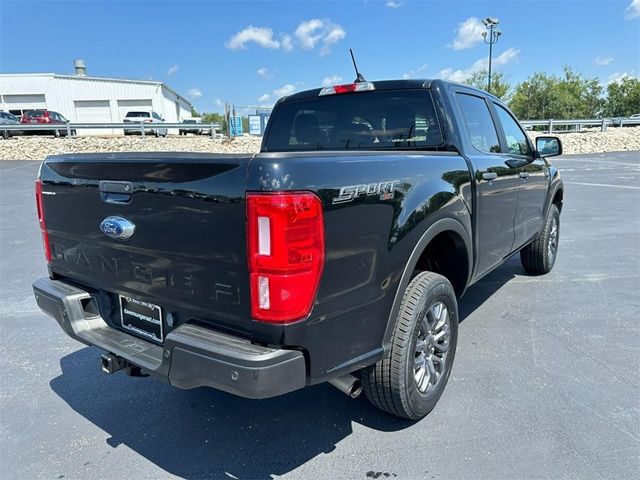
(623, 97)
(500, 86)
(544, 96)
(215, 118)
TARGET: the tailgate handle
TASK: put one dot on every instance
(116, 192)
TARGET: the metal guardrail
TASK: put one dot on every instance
(603, 123)
(143, 128)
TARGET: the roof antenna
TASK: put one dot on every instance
(359, 77)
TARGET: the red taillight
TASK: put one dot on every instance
(347, 88)
(43, 227)
(285, 235)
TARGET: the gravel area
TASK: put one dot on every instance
(38, 147)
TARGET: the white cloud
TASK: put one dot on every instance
(413, 73)
(265, 73)
(481, 64)
(618, 77)
(319, 32)
(262, 36)
(316, 32)
(601, 61)
(469, 33)
(633, 10)
(285, 90)
(173, 69)
(194, 93)
(332, 80)
(286, 42)
(392, 4)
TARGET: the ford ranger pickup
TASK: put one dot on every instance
(336, 254)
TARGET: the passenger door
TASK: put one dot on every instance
(533, 174)
(496, 183)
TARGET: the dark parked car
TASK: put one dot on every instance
(7, 118)
(338, 253)
(45, 117)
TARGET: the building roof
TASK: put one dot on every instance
(103, 79)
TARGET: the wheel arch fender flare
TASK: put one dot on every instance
(440, 226)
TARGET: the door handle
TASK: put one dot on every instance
(523, 174)
(489, 176)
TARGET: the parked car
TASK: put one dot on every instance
(145, 117)
(336, 254)
(635, 116)
(194, 130)
(45, 117)
(7, 118)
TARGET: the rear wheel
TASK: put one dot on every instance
(410, 382)
(56, 133)
(5, 134)
(539, 256)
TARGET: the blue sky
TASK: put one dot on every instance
(249, 53)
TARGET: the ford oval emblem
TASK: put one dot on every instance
(117, 227)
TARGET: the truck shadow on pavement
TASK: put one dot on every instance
(204, 433)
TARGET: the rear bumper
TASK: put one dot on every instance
(191, 356)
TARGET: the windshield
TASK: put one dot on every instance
(189, 121)
(378, 120)
(139, 114)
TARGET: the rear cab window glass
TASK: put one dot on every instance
(516, 138)
(477, 117)
(34, 113)
(377, 120)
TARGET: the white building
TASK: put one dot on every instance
(84, 99)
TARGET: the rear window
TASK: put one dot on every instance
(138, 114)
(34, 113)
(378, 120)
(189, 121)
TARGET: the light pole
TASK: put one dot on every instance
(490, 38)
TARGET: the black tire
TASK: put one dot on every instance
(56, 133)
(539, 256)
(5, 134)
(392, 384)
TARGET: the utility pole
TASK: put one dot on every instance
(490, 38)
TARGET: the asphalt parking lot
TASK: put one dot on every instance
(546, 382)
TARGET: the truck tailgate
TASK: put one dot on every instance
(188, 252)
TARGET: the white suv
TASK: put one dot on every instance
(146, 117)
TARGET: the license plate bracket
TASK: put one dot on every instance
(141, 318)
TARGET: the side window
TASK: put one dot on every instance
(516, 138)
(478, 119)
(156, 116)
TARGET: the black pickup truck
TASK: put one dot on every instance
(335, 254)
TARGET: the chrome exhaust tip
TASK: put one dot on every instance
(347, 384)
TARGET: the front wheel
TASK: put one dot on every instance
(410, 382)
(539, 256)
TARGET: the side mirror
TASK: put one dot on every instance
(548, 146)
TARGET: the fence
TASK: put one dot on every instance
(603, 123)
(143, 128)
